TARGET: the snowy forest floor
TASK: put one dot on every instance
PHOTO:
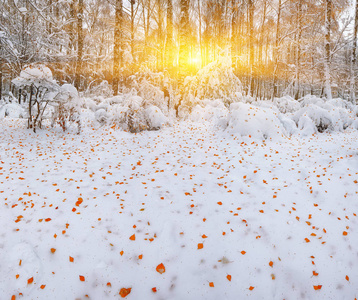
(187, 212)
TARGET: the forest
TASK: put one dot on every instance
(275, 48)
(178, 149)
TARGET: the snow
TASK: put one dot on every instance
(38, 75)
(279, 217)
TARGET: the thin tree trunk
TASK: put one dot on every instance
(354, 56)
(184, 36)
(275, 77)
(169, 42)
(234, 36)
(251, 44)
(327, 61)
(298, 43)
(117, 50)
(132, 28)
(200, 35)
(79, 44)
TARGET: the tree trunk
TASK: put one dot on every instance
(117, 49)
(354, 56)
(327, 59)
(275, 51)
(184, 32)
(251, 44)
(169, 42)
(79, 44)
(298, 43)
(132, 28)
(234, 35)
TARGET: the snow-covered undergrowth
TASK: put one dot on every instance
(186, 212)
(282, 117)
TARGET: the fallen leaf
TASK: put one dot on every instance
(228, 277)
(251, 288)
(200, 246)
(271, 264)
(160, 268)
(211, 284)
(82, 278)
(317, 287)
(124, 292)
(30, 280)
(132, 237)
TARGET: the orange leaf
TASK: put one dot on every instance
(200, 246)
(42, 286)
(271, 264)
(228, 277)
(345, 232)
(13, 297)
(347, 277)
(82, 278)
(317, 287)
(211, 284)
(109, 284)
(121, 253)
(154, 290)
(204, 236)
(251, 288)
(125, 292)
(315, 273)
(220, 203)
(243, 252)
(71, 259)
(160, 268)
(79, 201)
(31, 280)
(307, 240)
(53, 250)
(132, 238)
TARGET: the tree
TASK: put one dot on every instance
(118, 45)
(184, 36)
(327, 48)
(354, 55)
(169, 41)
(79, 44)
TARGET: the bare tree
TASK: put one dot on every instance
(118, 45)
(354, 55)
(79, 44)
(327, 46)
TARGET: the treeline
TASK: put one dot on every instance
(276, 47)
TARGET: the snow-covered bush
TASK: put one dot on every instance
(212, 111)
(40, 87)
(334, 115)
(103, 89)
(134, 114)
(67, 107)
(149, 86)
(248, 120)
(287, 104)
(215, 81)
(12, 110)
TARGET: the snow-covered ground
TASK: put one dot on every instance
(187, 212)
